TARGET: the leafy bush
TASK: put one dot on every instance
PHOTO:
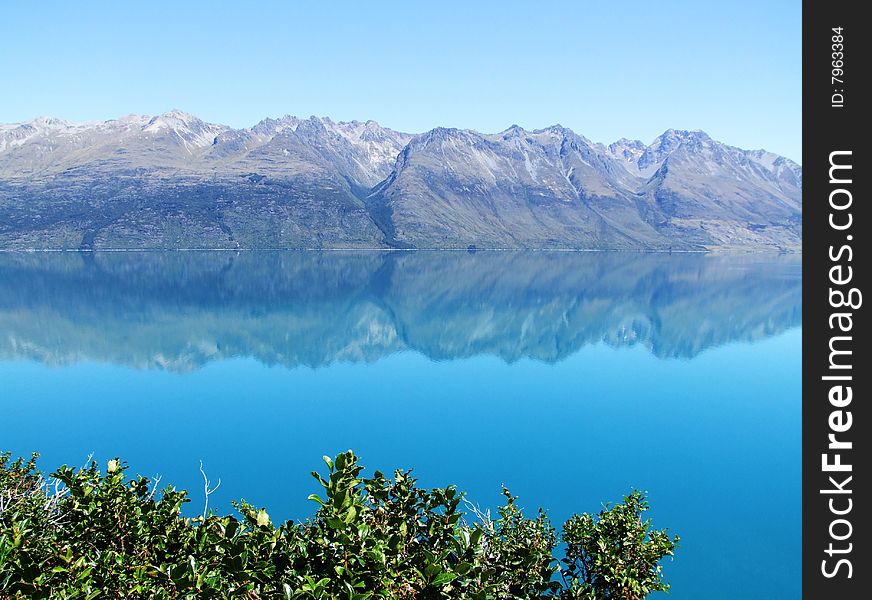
(92, 534)
(616, 555)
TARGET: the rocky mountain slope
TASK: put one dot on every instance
(175, 181)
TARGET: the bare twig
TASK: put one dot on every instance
(156, 479)
(87, 461)
(53, 491)
(207, 490)
(484, 517)
(49, 492)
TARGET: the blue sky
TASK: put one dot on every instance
(605, 69)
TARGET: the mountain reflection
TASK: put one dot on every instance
(180, 310)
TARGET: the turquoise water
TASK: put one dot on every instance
(569, 377)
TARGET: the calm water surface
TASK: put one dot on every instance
(569, 377)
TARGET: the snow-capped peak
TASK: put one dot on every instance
(52, 123)
(192, 131)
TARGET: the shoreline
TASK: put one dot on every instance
(376, 249)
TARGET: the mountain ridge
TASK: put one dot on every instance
(174, 180)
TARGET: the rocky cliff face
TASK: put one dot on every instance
(708, 193)
(541, 189)
(175, 181)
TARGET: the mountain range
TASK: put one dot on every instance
(175, 181)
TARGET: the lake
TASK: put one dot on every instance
(569, 377)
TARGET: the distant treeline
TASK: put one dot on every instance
(92, 533)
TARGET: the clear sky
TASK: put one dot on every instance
(605, 69)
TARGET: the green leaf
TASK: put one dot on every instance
(444, 578)
(475, 536)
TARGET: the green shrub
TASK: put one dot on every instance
(86, 533)
(616, 555)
